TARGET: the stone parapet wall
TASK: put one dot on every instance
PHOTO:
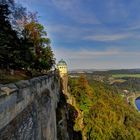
(28, 107)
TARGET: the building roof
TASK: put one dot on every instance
(61, 62)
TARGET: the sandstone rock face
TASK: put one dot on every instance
(28, 109)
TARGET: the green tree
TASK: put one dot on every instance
(9, 42)
(23, 40)
(44, 57)
(106, 116)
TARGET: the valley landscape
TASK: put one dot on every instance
(69, 70)
(109, 102)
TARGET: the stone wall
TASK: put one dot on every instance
(28, 109)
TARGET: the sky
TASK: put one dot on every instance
(92, 34)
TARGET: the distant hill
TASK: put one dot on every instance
(105, 71)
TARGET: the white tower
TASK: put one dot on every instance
(63, 71)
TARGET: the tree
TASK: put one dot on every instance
(9, 42)
(24, 45)
(44, 57)
(106, 116)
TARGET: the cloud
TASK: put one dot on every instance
(66, 32)
(96, 33)
(117, 8)
(111, 37)
(75, 11)
(92, 54)
(64, 4)
(109, 58)
(133, 27)
(57, 28)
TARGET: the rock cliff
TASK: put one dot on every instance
(37, 109)
(28, 109)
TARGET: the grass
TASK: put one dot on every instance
(117, 80)
(126, 75)
(6, 77)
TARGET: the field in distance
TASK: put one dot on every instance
(126, 75)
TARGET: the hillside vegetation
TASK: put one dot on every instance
(106, 115)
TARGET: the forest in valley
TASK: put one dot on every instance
(106, 114)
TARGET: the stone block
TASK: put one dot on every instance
(23, 84)
(7, 89)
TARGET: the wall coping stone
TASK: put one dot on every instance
(7, 89)
(10, 88)
(22, 84)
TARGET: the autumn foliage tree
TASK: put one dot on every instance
(43, 55)
(106, 115)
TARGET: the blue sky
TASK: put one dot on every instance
(96, 34)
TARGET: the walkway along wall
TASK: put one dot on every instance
(28, 109)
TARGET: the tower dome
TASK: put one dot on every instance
(62, 62)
